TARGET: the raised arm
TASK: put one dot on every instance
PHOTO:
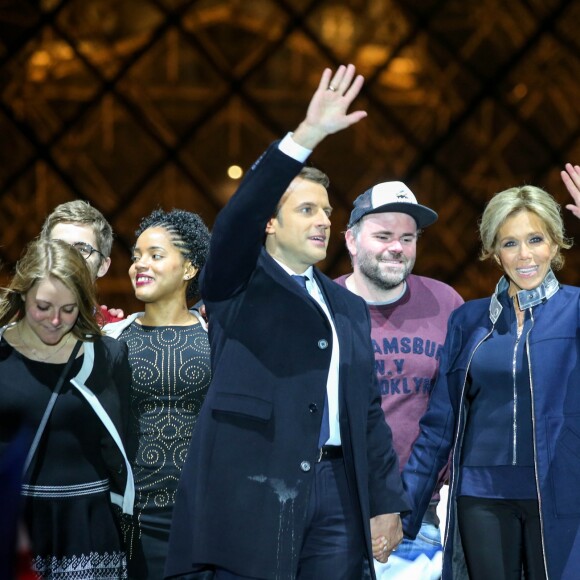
(571, 179)
(238, 233)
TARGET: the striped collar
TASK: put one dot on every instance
(526, 298)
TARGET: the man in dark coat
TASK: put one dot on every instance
(291, 472)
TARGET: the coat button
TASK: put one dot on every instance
(313, 408)
(322, 344)
(305, 466)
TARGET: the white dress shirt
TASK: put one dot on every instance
(333, 370)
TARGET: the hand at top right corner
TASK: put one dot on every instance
(571, 178)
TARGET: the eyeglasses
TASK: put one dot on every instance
(86, 250)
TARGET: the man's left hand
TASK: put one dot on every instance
(386, 535)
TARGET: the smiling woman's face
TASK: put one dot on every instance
(525, 251)
(159, 270)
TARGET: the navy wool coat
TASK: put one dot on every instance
(244, 490)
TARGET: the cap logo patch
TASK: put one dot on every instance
(391, 196)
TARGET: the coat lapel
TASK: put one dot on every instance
(283, 279)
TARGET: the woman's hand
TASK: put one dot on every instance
(571, 179)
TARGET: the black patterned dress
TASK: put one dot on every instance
(171, 375)
(67, 506)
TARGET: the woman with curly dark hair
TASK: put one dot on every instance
(169, 358)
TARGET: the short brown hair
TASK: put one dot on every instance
(81, 212)
(309, 174)
(313, 174)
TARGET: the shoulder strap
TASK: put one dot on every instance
(50, 405)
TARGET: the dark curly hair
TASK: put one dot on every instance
(188, 234)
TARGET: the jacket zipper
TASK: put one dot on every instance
(515, 410)
(454, 447)
(535, 446)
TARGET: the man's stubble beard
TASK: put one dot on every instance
(369, 267)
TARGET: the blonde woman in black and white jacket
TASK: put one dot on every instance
(68, 383)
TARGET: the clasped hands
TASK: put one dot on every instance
(386, 535)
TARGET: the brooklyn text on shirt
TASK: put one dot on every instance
(392, 374)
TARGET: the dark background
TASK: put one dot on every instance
(134, 104)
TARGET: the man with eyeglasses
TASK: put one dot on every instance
(408, 326)
(85, 228)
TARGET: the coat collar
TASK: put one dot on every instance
(282, 276)
(526, 298)
(333, 292)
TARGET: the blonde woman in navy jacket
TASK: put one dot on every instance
(507, 407)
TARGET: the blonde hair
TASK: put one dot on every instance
(510, 202)
(81, 213)
(44, 259)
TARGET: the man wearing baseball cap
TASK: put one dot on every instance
(408, 325)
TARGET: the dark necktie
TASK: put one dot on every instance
(301, 281)
(325, 425)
